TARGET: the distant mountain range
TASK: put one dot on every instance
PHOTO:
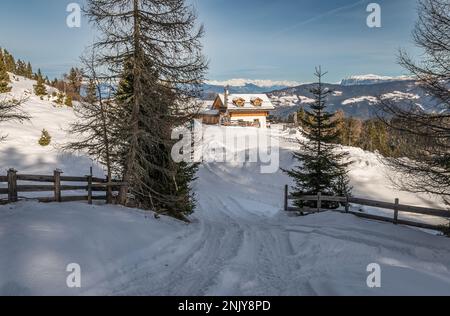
(371, 79)
(355, 95)
(211, 88)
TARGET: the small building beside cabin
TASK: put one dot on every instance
(238, 110)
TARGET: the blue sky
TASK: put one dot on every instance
(254, 39)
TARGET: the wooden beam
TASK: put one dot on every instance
(319, 202)
(402, 208)
(35, 188)
(397, 202)
(12, 186)
(57, 180)
(70, 199)
(286, 199)
(400, 222)
(90, 187)
(73, 179)
(35, 178)
(73, 187)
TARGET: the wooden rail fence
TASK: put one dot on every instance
(346, 201)
(93, 184)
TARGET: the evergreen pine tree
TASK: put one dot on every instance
(39, 88)
(29, 71)
(10, 62)
(21, 68)
(68, 102)
(321, 170)
(4, 78)
(60, 98)
(45, 139)
(74, 82)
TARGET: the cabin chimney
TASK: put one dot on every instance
(226, 95)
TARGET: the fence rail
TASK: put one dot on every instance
(346, 201)
(93, 184)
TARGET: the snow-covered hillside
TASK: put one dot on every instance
(357, 97)
(21, 149)
(371, 79)
(240, 242)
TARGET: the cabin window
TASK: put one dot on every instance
(257, 102)
(240, 102)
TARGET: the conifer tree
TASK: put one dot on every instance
(39, 87)
(4, 78)
(29, 71)
(68, 102)
(160, 43)
(301, 117)
(352, 132)
(322, 169)
(45, 139)
(75, 78)
(21, 68)
(10, 62)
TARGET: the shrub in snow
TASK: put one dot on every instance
(45, 139)
(68, 101)
(60, 99)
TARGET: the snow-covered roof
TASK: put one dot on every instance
(248, 102)
(209, 112)
(206, 108)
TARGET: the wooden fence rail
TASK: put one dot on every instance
(93, 185)
(346, 201)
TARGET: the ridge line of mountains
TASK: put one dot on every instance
(356, 95)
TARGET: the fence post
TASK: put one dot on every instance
(12, 186)
(347, 203)
(57, 181)
(286, 195)
(319, 201)
(397, 202)
(108, 190)
(90, 187)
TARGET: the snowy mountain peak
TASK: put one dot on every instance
(259, 83)
(371, 79)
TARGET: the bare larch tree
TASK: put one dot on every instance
(425, 166)
(153, 48)
(11, 110)
(91, 131)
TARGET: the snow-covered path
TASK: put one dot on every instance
(237, 245)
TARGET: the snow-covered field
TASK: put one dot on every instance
(239, 241)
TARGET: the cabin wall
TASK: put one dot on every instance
(210, 119)
(250, 117)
